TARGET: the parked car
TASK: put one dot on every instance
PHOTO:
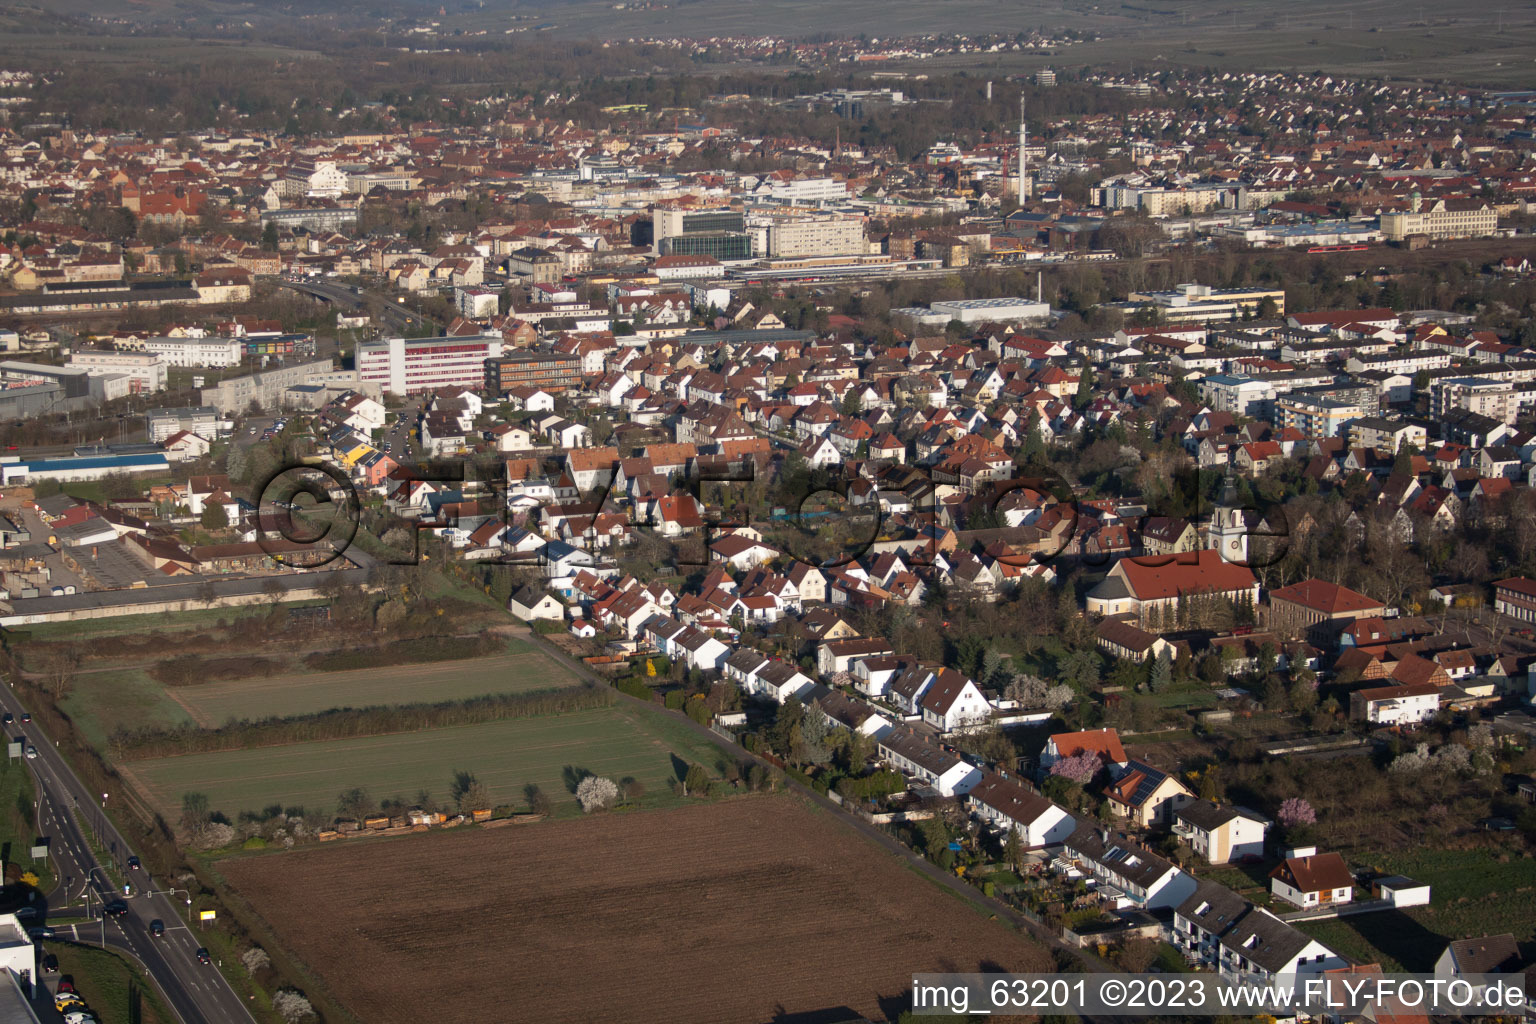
(8, 718)
(157, 927)
(50, 964)
(203, 956)
(67, 983)
(81, 1016)
(40, 932)
(26, 913)
(64, 1000)
(116, 908)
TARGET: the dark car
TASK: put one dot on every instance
(8, 718)
(133, 863)
(26, 716)
(51, 965)
(157, 927)
(202, 955)
(40, 932)
(116, 908)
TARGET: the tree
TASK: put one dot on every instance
(59, 672)
(273, 590)
(1296, 811)
(1079, 768)
(194, 813)
(1137, 954)
(1013, 848)
(292, 1006)
(1162, 671)
(1080, 668)
(269, 236)
(1210, 784)
(208, 594)
(469, 793)
(1027, 690)
(595, 793)
(354, 803)
(538, 801)
(255, 959)
(696, 781)
(214, 518)
(1084, 388)
(812, 746)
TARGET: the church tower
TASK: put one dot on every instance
(1229, 526)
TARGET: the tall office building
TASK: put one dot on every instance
(720, 233)
(409, 366)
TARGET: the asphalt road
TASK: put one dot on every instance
(342, 295)
(196, 992)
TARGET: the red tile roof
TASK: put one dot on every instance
(1322, 596)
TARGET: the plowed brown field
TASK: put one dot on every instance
(749, 910)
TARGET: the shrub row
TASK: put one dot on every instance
(345, 723)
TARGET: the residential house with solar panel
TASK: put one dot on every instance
(1146, 796)
(1128, 874)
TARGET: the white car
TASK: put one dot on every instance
(80, 1017)
(32, 752)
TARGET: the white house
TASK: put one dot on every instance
(1220, 834)
(927, 764)
(1491, 954)
(1317, 879)
(529, 604)
(1219, 930)
(185, 446)
(1129, 874)
(1407, 704)
(1006, 805)
(954, 703)
(1261, 946)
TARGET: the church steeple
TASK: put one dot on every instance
(1229, 527)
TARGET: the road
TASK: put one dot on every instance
(195, 992)
(343, 295)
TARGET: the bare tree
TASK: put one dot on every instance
(59, 672)
(273, 590)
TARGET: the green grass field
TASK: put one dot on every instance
(101, 703)
(1474, 892)
(17, 829)
(616, 742)
(112, 987)
(213, 704)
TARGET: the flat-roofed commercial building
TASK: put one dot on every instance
(816, 236)
(551, 371)
(410, 366)
(147, 372)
